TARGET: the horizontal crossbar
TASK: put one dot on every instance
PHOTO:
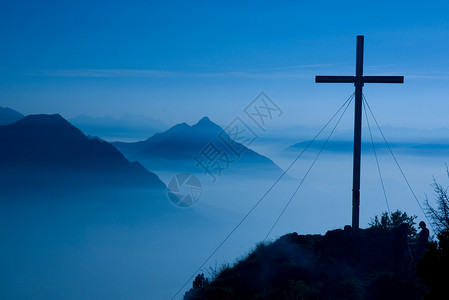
(369, 79)
(384, 79)
(334, 78)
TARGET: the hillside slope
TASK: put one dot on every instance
(343, 264)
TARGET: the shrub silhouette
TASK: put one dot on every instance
(438, 212)
(391, 221)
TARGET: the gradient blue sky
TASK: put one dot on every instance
(180, 60)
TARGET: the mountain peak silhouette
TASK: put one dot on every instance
(44, 120)
(45, 127)
(38, 144)
(206, 124)
(8, 116)
(177, 147)
(204, 120)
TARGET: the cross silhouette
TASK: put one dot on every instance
(359, 80)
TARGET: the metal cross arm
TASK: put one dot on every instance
(353, 79)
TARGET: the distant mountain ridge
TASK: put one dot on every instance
(178, 146)
(46, 149)
(8, 116)
(413, 141)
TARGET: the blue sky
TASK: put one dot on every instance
(178, 60)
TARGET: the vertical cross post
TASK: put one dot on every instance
(357, 133)
(358, 80)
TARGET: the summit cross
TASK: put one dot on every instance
(359, 80)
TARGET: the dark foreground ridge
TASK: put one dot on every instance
(342, 264)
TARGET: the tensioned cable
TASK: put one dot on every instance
(263, 197)
(307, 173)
(396, 161)
(375, 155)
